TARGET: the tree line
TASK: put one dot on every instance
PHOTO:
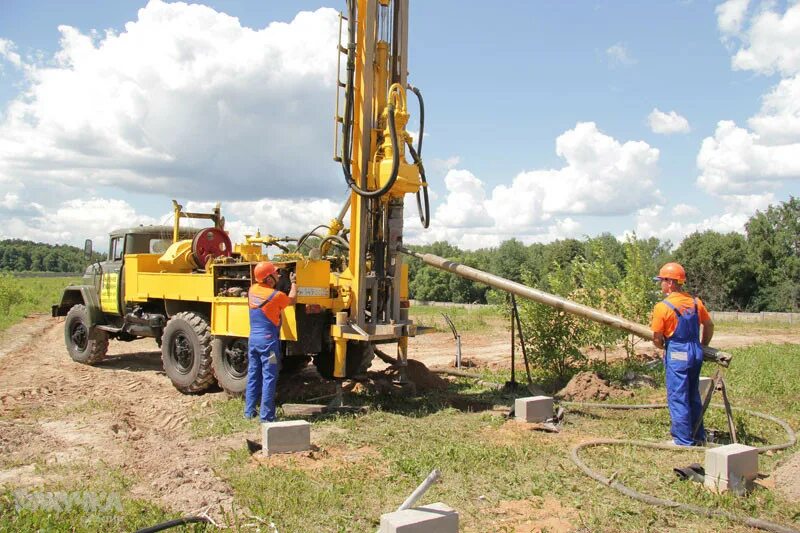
(757, 271)
(18, 255)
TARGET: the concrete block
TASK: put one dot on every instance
(533, 408)
(731, 467)
(433, 518)
(705, 385)
(283, 437)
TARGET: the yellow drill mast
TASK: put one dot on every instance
(374, 141)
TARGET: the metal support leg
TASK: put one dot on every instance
(402, 359)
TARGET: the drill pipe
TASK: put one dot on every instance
(523, 291)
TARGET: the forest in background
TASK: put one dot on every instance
(757, 271)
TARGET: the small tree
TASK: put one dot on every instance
(637, 290)
(553, 338)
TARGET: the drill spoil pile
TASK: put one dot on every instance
(588, 386)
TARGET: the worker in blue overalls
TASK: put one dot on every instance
(266, 304)
(676, 327)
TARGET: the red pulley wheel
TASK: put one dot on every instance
(209, 243)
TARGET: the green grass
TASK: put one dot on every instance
(375, 460)
(768, 326)
(465, 319)
(20, 297)
(100, 503)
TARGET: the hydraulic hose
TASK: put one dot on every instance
(348, 119)
(423, 203)
(305, 236)
(174, 523)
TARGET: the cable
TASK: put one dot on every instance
(174, 523)
(309, 234)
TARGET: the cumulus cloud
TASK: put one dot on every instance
(619, 55)
(186, 102)
(730, 15)
(736, 160)
(771, 43)
(667, 123)
(601, 176)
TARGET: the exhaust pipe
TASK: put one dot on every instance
(523, 291)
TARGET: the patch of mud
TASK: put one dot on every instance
(535, 515)
(588, 386)
(787, 479)
(320, 459)
(418, 373)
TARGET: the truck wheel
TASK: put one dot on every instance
(85, 343)
(186, 352)
(229, 357)
(359, 359)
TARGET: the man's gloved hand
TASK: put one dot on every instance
(292, 277)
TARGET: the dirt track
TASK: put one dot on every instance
(125, 412)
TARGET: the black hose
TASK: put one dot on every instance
(305, 236)
(348, 119)
(421, 117)
(335, 240)
(174, 523)
(422, 193)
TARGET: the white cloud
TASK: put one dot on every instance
(619, 55)
(685, 210)
(735, 160)
(730, 15)
(741, 161)
(601, 177)
(7, 51)
(667, 123)
(654, 222)
(778, 120)
(772, 42)
(443, 165)
(184, 102)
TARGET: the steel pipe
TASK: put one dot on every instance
(523, 291)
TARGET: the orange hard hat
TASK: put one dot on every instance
(263, 270)
(672, 271)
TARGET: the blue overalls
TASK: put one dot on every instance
(264, 352)
(683, 359)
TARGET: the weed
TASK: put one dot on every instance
(20, 297)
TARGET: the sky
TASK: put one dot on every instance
(543, 120)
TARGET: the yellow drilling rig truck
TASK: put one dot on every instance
(187, 287)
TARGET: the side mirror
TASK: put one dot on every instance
(87, 249)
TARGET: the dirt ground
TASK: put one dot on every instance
(124, 413)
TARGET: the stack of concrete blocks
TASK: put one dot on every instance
(433, 518)
(731, 468)
(705, 385)
(285, 437)
(533, 408)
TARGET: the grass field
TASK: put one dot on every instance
(375, 460)
(22, 296)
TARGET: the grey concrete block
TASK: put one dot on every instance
(433, 518)
(705, 385)
(533, 408)
(731, 467)
(283, 437)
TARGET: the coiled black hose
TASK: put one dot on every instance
(423, 203)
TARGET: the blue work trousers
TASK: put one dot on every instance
(263, 366)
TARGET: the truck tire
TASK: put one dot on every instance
(359, 359)
(229, 360)
(186, 352)
(85, 343)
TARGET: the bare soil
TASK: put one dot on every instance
(588, 386)
(125, 414)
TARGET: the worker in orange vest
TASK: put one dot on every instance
(266, 303)
(676, 327)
